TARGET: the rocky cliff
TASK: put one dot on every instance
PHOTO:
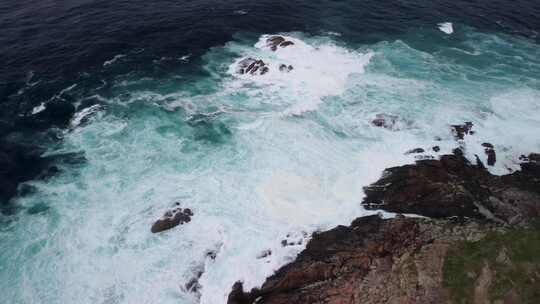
(479, 242)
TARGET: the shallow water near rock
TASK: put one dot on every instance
(256, 157)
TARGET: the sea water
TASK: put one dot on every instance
(257, 158)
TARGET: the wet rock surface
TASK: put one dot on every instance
(469, 252)
(490, 152)
(172, 218)
(390, 122)
(285, 68)
(460, 131)
(366, 262)
(278, 41)
(252, 66)
(452, 186)
(415, 151)
(405, 260)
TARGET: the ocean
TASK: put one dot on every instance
(113, 111)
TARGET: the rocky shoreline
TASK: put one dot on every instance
(477, 241)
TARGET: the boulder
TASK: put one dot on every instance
(172, 218)
(252, 66)
(415, 151)
(285, 68)
(390, 122)
(274, 42)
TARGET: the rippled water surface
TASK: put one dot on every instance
(135, 106)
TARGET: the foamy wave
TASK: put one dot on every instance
(512, 127)
(268, 175)
(113, 60)
(83, 114)
(38, 109)
(446, 27)
(317, 71)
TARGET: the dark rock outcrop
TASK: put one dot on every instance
(490, 152)
(406, 260)
(452, 186)
(390, 122)
(285, 68)
(415, 151)
(370, 261)
(385, 121)
(460, 131)
(469, 254)
(172, 218)
(252, 66)
(274, 42)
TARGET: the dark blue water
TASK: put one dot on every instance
(53, 44)
(110, 110)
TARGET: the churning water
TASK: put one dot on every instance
(258, 158)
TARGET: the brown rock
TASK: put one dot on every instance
(275, 41)
(452, 186)
(404, 260)
(371, 261)
(171, 219)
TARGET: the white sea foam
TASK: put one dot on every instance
(84, 113)
(318, 71)
(240, 12)
(250, 170)
(113, 60)
(512, 127)
(185, 58)
(38, 109)
(446, 27)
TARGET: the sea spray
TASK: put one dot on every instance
(256, 157)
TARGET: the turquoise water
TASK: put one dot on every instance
(255, 157)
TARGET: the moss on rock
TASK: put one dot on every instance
(500, 265)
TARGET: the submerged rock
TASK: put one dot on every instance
(19, 163)
(285, 68)
(460, 131)
(385, 121)
(193, 285)
(390, 122)
(490, 152)
(172, 218)
(264, 254)
(415, 151)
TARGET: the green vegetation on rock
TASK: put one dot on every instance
(499, 266)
